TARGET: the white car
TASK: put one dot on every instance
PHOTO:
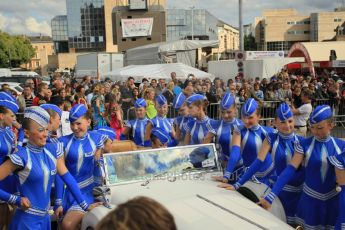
(14, 86)
(180, 179)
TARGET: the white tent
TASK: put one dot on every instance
(182, 51)
(156, 71)
(262, 68)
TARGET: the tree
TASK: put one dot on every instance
(14, 50)
(249, 42)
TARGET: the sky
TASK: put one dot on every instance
(32, 17)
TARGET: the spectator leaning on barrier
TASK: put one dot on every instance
(301, 114)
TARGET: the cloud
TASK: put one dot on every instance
(34, 16)
(31, 17)
(28, 26)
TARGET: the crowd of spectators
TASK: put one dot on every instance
(111, 102)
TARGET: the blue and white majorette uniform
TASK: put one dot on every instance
(224, 129)
(198, 129)
(99, 170)
(164, 123)
(7, 141)
(317, 208)
(319, 190)
(282, 150)
(251, 141)
(181, 121)
(138, 126)
(35, 175)
(79, 159)
(338, 161)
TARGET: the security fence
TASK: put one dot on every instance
(268, 110)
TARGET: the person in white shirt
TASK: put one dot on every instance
(302, 113)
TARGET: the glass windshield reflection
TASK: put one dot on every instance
(147, 164)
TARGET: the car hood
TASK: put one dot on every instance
(196, 203)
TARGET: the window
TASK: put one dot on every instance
(337, 20)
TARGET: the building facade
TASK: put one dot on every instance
(150, 20)
(196, 23)
(60, 33)
(95, 25)
(229, 41)
(43, 47)
(86, 28)
(279, 29)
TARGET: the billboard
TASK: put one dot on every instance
(136, 27)
(254, 55)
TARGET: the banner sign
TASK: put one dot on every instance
(253, 55)
(136, 27)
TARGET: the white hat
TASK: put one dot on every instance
(38, 114)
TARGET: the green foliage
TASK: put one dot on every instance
(14, 50)
(249, 43)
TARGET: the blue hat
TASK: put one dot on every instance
(161, 100)
(7, 96)
(320, 113)
(227, 101)
(178, 100)
(11, 105)
(140, 103)
(284, 112)
(107, 131)
(52, 107)
(37, 114)
(161, 134)
(249, 107)
(194, 98)
(77, 112)
(198, 155)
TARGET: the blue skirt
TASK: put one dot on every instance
(26, 221)
(70, 204)
(313, 213)
(290, 201)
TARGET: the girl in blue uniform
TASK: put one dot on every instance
(318, 207)
(281, 146)
(338, 161)
(200, 126)
(182, 120)
(224, 128)
(160, 121)
(82, 152)
(246, 142)
(8, 109)
(136, 128)
(35, 167)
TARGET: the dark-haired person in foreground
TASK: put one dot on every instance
(139, 213)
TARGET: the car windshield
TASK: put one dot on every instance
(142, 165)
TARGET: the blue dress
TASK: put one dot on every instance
(319, 194)
(80, 162)
(224, 131)
(181, 122)
(7, 146)
(338, 161)
(198, 130)
(251, 141)
(167, 125)
(282, 151)
(138, 129)
(37, 170)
